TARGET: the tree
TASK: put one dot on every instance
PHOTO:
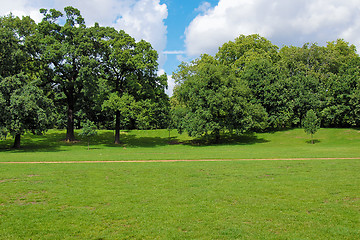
(125, 106)
(26, 107)
(130, 69)
(3, 130)
(311, 123)
(69, 52)
(255, 59)
(341, 86)
(89, 130)
(209, 98)
(245, 48)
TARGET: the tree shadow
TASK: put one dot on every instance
(226, 139)
(314, 141)
(53, 141)
(134, 141)
(48, 142)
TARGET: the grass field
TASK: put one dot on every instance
(181, 200)
(154, 145)
(268, 199)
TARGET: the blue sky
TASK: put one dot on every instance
(182, 30)
(180, 15)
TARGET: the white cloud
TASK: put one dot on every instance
(171, 85)
(20, 8)
(281, 21)
(142, 19)
(204, 7)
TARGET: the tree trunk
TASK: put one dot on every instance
(17, 141)
(217, 136)
(70, 135)
(117, 127)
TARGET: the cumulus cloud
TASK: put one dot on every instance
(204, 7)
(142, 19)
(20, 8)
(171, 85)
(283, 22)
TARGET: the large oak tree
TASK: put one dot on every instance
(69, 52)
(130, 69)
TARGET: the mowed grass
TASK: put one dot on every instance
(318, 199)
(156, 145)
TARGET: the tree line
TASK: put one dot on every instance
(251, 84)
(61, 73)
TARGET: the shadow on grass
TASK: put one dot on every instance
(53, 141)
(226, 139)
(132, 140)
(313, 141)
(129, 139)
(49, 142)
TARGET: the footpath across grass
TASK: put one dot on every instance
(156, 145)
(317, 199)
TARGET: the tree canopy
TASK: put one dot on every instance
(269, 84)
(210, 99)
(81, 69)
(61, 72)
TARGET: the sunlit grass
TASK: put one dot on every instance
(313, 199)
(157, 145)
(193, 200)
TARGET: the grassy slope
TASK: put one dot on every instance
(152, 145)
(183, 200)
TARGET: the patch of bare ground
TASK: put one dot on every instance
(8, 180)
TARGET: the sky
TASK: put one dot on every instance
(181, 30)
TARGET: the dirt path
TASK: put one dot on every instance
(189, 160)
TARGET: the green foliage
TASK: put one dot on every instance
(211, 99)
(17, 46)
(293, 80)
(136, 94)
(104, 75)
(246, 48)
(125, 105)
(89, 130)
(25, 107)
(3, 130)
(311, 123)
(70, 53)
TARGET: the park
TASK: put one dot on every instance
(263, 186)
(257, 141)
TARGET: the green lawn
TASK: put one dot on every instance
(154, 145)
(313, 199)
(317, 199)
